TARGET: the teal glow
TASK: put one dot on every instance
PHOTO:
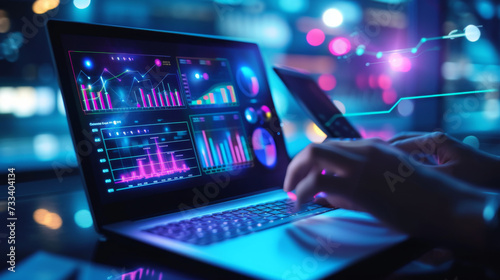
(423, 40)
(332, 119)
(360, 50)
(379, 55)
(83, 218)
(414, 50)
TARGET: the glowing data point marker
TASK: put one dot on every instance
(379, 55)
(423, 40)
(414, 50)
(360, 50)
(472, 33)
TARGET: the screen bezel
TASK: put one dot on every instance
(168, 201)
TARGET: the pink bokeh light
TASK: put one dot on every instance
(389, 96)
(399, 63)
(327, 82)
(339, 46)
(384, 82)
(315, 37)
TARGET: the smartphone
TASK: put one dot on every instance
(316, 104)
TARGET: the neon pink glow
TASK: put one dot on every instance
(220, 156)
(143, 98)
(327, 82)
(372, 81)
(109, 102)
(93, 100)
(292, 196)
(406, 66)
(166, 98)
(315, 37)
(399, 63)
(173, 99)
(161, 98)
(148, 170)
(255, 85)
(158, 62)
(205, 76)
(339, 46)
(101, 100)
(384, 82)
(386, 133)
(86, 99)
(395, 60)
(389, 96)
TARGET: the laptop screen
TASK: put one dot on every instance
(167, 118)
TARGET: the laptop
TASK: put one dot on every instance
(180, 148)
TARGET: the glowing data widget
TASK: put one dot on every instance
(150, 154)
(207, 82)
(108, 82)
(221, 142)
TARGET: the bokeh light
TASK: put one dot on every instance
(315, 37)
(327, 82)
(472, 33)
(384, 81)
(45, 146)
(395, 60)
(43, 6)
(339, 46)
(4, 22)
(294, 6)
(406, 107)
(314, 133)
(47, 218)
(81, 4)
(83, 218)
(472, 141)
(339, 106)
(333, 17)
(389, 96)
(491, 109)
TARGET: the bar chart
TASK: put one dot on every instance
(221, 142)
(150, 154)
(207, 82)
(109, 82)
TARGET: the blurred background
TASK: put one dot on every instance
(345, 45)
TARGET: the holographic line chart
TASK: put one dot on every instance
(332, 119)
(471, 33)
(149, 154)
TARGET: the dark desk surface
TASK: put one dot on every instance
(48, 220)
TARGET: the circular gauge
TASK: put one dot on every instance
(251, 115)
(247, 81)
(264, 147)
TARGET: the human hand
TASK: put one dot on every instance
(452, 157)
(375, 177)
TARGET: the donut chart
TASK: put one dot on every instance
(264, 147)
(247, 81)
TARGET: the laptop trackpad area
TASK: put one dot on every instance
(309, 248)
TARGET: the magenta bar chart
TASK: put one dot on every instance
(150, 154)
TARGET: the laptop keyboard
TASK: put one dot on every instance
(217, 227)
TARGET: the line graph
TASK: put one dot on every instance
(471, 32)
(335, 117)
(109, 82)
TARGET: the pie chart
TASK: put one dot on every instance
(264, 147)
(247, 81)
